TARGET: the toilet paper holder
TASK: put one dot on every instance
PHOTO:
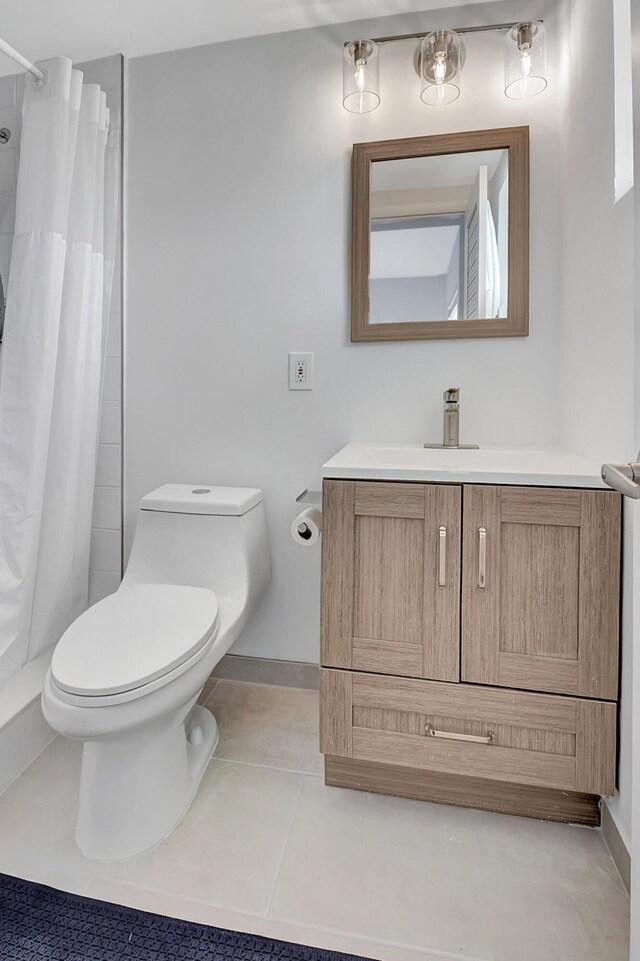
(310, 497)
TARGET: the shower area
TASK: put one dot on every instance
(60, 369)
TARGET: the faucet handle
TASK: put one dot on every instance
(451, 395)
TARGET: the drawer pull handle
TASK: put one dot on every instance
(442, 557)
(452, 736)
(482, 558)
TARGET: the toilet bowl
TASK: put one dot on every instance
(126, 675)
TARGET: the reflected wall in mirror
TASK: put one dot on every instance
(441, 236)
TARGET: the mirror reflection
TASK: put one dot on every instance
(439, 232)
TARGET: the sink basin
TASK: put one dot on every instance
(544, 466)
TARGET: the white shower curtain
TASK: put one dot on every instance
(51, 359)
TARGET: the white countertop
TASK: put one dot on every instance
(536, 466)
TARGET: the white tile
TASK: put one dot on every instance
(105, 551)
(265, 724)
(7, 211)
(114, 335)
(227, 849)
(37, 821)
(20, 80)
(101, 584)
(450, 879)
(112, 385)
(107, 508)
(110, 422)
(6, 243)
(7, 95)
(106, 71)
(11, 119)
(109, 465)
(7, 170)
(116, 288)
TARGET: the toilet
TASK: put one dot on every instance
(126, 675)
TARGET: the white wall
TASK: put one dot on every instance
(597, 361)
(408, 298)
(238, 234)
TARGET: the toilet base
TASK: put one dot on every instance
(136, 789)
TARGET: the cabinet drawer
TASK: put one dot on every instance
(534, 739)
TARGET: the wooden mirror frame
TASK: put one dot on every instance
(516, 323)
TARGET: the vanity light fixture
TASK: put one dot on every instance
(525, 61)
(439, 63)
(361, 76)
(440, 60)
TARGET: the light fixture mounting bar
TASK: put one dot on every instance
(420, 36)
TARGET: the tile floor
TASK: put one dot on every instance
(267, 848)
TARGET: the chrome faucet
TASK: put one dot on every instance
(451, 423)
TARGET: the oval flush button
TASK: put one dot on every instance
(201, 490)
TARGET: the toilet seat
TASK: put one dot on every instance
(132, 638)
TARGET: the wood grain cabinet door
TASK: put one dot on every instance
(391, 578)
(541, 582)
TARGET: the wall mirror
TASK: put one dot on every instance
(440, 245)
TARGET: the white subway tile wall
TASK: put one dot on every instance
(11, 120)
(106, 535)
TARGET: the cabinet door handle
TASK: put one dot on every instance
(442, 557)
(482, 558)
(452, 736)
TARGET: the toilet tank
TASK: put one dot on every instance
(202, 536)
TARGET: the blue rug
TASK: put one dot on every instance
(38, 923)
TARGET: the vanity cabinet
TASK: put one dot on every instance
(469, 643)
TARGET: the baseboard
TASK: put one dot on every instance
(263, 670)
(523, 800)
(617, 847)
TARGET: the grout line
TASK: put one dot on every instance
(284, 848)
(265, 767)
(298, 927)
(436, 953)
(113, 879)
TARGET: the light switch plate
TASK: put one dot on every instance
(300, 371)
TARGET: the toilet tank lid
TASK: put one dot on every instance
(201, 499)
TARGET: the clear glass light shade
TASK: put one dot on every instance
(361, 76)
(440, 68)
(526, 62)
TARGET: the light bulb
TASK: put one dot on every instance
(525, 62)
(360, 75)
(440, 70)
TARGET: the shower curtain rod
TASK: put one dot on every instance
(26, 64)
